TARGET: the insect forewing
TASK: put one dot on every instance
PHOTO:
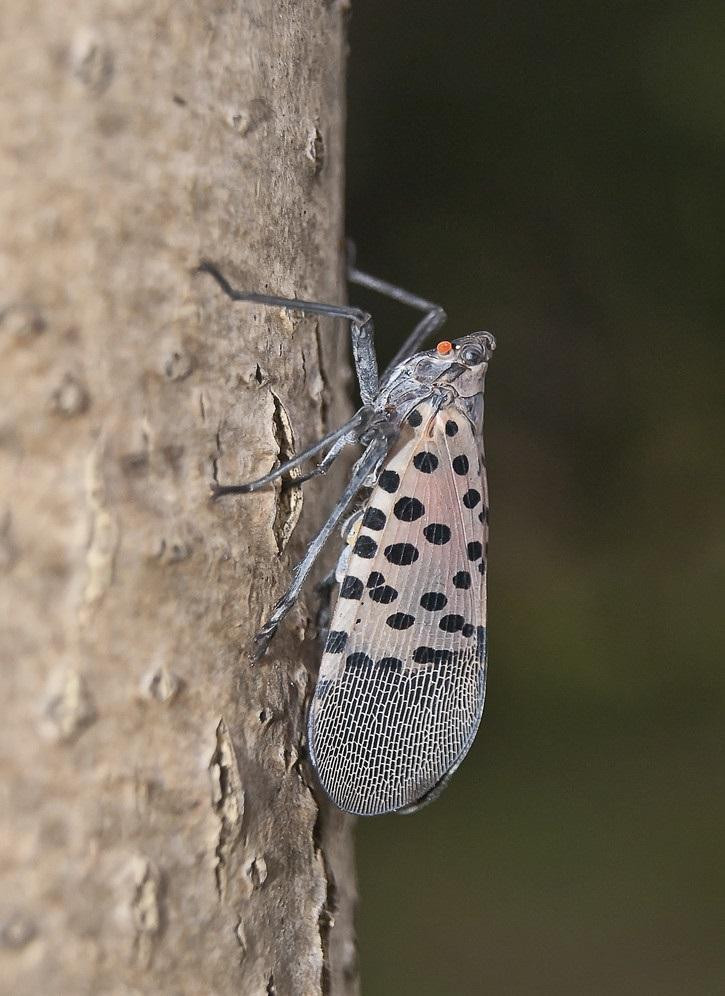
(402, 680)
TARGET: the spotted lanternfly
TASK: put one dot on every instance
(403, 674)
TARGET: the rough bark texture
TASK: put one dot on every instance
(159, 831)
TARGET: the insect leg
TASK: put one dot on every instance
(361, 325)
(324, 589)
(327, 461)
(347, 433)
(367, 463)
(434, 316)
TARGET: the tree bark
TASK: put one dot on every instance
(160, 829)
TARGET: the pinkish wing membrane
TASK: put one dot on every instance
(402, 680)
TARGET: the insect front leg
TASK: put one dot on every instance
(367, 463)
(433, 319)
(361, 326)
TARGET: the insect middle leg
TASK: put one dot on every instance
(337, 440)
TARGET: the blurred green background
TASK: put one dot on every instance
(556, 173)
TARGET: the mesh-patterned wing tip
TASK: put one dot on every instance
(385, 739)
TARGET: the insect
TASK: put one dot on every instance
(402, 680)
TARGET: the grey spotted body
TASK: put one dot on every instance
(402, 680)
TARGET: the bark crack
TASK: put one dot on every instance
(324, 393)
(227, 799)
(326, 915)
(101, 552)
(145, 909)
(289, 501)
(215, 458)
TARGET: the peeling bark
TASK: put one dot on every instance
(159, 830)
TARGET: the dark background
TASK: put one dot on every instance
(555, 173)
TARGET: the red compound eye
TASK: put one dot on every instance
(443, 348)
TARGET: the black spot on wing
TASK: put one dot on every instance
(426, 462)
(391, 663)
(358, 662)
(374, 518)
(468, 630)
(352, 587)
(475, 550)
(400, 620)
(401, 554)
(462, 580)
(437, 533)
(451, 427)
(384, 594)
(451, 623)
(365, 546)
(431, 655)
(336, 640)
(471, 498)
(460, 464)
(408, 509)
(433, 601)
(389, 481)
(375, 579)
(415, 418)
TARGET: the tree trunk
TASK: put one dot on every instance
(160, 829)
